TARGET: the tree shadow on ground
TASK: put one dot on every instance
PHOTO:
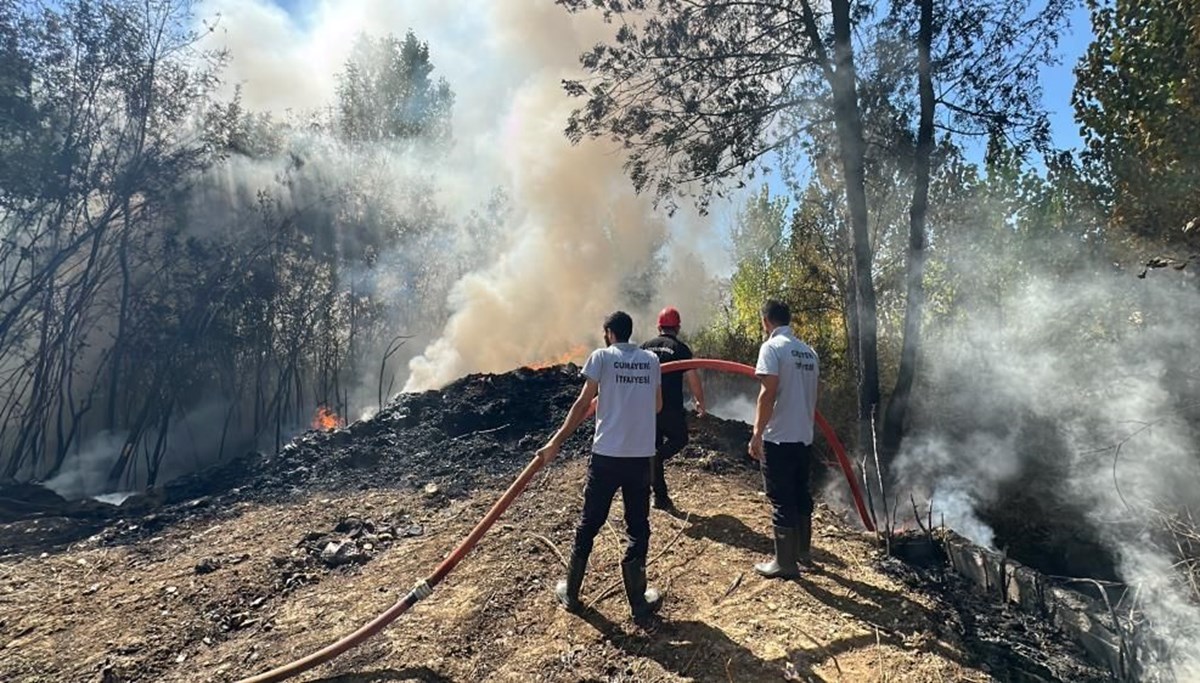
(693, 650)
(414, 674)
(733, 532)
(896, 619)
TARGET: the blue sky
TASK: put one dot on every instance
(1057, 80)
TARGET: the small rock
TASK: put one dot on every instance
(330, 551)
(337, 553)
(91, 589)
(431, 489)
(171, 590)
(257, 602)
(348, 524)
(207, 565)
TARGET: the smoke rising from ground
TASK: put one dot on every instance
(578, 242)
(1038, 396)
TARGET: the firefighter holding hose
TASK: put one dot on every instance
(627, 381)
(787, 370)
(671, 433)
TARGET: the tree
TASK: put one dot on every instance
(1137, 98)
(98, 91)
(163, 300)
(701, 93)
(387, 93)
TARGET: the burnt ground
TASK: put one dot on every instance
(266, 559)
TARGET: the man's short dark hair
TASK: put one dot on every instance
(776, 312)
(620, 324)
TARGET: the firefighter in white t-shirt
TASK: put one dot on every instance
(788, 371)
(628, 382)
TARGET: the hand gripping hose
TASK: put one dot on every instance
(424, 588)
(834, 444)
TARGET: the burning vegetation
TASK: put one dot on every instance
(326, 420)
(272, 557)
(575, 354)
(219, 234)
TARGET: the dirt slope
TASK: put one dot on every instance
(311, 544)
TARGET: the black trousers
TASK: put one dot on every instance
(671, 435)
(606, 475)
(786, 470)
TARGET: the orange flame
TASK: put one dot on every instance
(575, 353)
(326, 420)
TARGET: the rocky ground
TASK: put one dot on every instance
(266, 559)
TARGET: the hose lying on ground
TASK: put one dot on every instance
(424, 588)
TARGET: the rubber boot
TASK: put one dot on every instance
(784, 564)
(567, 590)
(804, 542)
(658, 484)
(643, 601)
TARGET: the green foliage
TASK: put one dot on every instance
(387, 93)
(782, 254)
(1137, 98)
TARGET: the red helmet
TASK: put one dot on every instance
(669, 317)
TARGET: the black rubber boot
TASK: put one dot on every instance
(804, 542)
(643, 601)
(658, 485)
(784, 564)
(567, 590)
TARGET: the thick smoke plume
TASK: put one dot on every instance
(1080, 393)
(578, 242)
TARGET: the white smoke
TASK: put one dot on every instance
(579, 242)
(740, 408)
(1089, 381)
(85, 471)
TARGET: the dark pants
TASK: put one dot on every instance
(605, 476)
(671, 435)
(786, 470)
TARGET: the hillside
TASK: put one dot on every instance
(270, 558)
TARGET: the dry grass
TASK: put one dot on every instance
(142, 612)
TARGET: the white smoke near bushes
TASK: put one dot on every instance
(1066, 370)
(84, 471)
(578, 243)
(191, 441)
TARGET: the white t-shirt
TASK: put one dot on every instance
(625, 414)
(796, 365)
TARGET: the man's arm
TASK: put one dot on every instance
(763, 411)
(693, 380)
(658, 402)
(575, 417)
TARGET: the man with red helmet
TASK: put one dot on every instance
(672, 433)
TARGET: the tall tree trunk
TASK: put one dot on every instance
(118, 347)
(892, 431)
(848, 122)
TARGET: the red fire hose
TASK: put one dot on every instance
(424, 588)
